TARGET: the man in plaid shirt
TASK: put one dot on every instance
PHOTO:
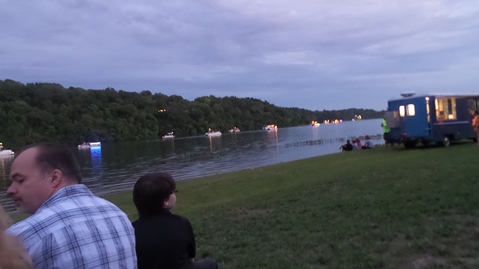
(70, 227)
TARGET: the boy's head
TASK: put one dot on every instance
(154, 192)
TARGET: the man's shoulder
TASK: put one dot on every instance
(23, 229)
(63, 212)
(19, 227)
(88, 208)
(79, 198)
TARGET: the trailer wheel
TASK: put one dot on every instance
(446, 142)
(409, 145)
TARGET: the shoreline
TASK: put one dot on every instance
(393, 203)
(102, 174)
(383, 208)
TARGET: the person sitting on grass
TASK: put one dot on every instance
(346, 147)
(368, 144)
(163, 239)
(357, 144)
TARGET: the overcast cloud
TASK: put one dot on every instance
(312, 54)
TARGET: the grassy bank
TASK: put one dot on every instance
(383, 208)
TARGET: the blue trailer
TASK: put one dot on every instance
(435, 118)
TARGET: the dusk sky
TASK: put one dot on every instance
(311, 54)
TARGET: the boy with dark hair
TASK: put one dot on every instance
(163, 239)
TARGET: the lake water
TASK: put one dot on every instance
(117, 166)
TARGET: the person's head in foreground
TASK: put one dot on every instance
(12, 253)
(38, 172)
(154, 192)
(163, 239)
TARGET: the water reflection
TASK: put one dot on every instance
(273, 138)
(4, 172)
(93, 166)
(215, 144)
(117, 166)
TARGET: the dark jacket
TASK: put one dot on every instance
(164, 240)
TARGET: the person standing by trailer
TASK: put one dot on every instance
(386, 131)
(475, 126)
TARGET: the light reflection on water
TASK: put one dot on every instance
(116, 167)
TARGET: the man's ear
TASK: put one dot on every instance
(57, 178)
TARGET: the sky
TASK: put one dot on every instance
(312, 54)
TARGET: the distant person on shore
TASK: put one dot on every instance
(70, 227)
(12, 253)
(368, 144)
(163, 239)
(475, 125)
(357, 144)
(346, 147)
(387, 132)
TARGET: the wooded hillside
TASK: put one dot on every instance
(35, 112)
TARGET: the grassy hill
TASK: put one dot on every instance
(382, 208)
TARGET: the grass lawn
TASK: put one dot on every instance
(381, 208)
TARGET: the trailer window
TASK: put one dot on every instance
(427, 110)
(411, 110)
(446, 109)
(472, 105)
(402, 111)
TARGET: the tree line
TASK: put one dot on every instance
(35, 112)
